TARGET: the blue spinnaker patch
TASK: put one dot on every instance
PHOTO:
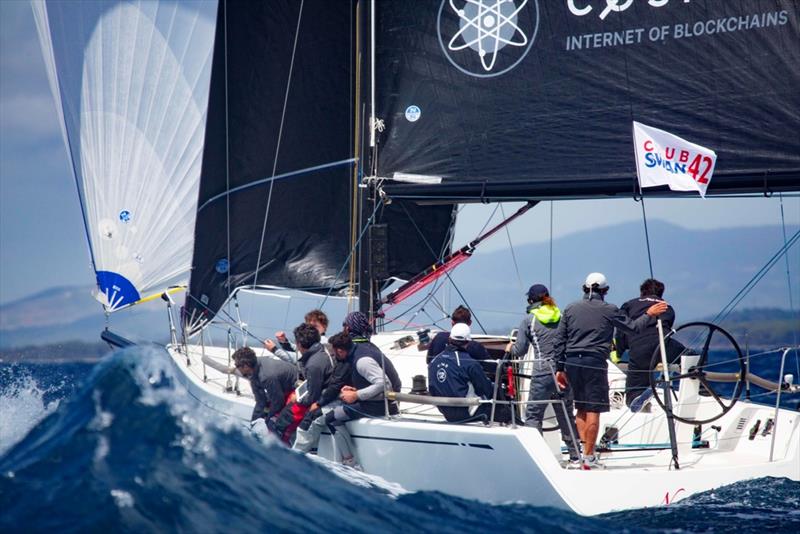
(118, 289)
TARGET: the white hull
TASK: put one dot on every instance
(501, 464)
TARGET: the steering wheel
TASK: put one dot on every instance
(703, 371)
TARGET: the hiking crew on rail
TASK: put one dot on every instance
(348, 379)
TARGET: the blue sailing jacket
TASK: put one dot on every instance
(451, 373)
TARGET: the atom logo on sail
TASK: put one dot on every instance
(487, 28)
(486, 38)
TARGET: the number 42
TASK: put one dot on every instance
(694, 168)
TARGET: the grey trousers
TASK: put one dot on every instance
(543, 387)
(309, 439)
(341, 436)
(305, 440)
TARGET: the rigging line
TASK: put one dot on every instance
(434, 322)
(789, 283)
(424, 302)
(728, 308)
(437, 284)
(513, 254)
(646, 234)
(446, 273)
(421, 304)
(282, 176)
(216, 316)
(451, 234)
(280, 136)
(227, 152)
(489, 220)
(350, 255)
(439, 305)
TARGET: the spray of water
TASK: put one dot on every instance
(22, 405)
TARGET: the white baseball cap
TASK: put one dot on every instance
(460, 332)
(596, 279)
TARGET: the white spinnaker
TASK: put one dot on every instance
(131, 83)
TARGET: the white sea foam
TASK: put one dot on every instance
(159, 383)
(122, 498)
(360, 478)
(22, 406)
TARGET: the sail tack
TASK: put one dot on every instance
(131, 83)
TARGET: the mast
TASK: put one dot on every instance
(367, 198)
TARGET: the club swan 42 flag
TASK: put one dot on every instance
(665, 159)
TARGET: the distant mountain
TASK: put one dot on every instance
(64, 314)
(52, 307)
(68, 351)
(763, 327)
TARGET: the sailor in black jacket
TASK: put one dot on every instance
(454, 372)
(583, 345)
(313, 424)
(370, 372)
(316, 365)
(642, 345)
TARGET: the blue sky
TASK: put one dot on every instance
(41, 235)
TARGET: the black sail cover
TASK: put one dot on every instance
(512, 99)
(307, 234)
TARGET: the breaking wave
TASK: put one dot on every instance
(130, 450)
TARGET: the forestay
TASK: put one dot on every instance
(131, 80)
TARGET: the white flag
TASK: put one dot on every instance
(665, 159)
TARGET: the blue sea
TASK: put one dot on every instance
(119, 446)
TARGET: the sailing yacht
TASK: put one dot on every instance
(324, 147)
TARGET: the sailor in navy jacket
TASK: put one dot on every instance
(454, 371)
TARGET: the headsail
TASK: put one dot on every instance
(526, 99)
(130, 81)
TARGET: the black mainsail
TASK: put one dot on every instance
(535, 100)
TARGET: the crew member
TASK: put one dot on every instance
(583, 344)
(271, 380)
(460, 315)
(643, 345)
(316, 365)
(536, 340)
(453, 371)
(284, 348)
(308, 433)
(371, 369)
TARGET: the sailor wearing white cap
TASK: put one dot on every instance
(583, 344)
(453, 372)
